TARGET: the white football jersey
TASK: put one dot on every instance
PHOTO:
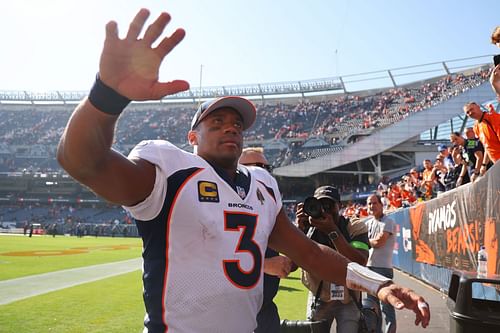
(204, 243)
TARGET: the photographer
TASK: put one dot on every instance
(319, 218)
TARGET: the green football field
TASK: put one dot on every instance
(108, 305)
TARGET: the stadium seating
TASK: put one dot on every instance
(29, 136)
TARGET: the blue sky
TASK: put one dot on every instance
(55, 44)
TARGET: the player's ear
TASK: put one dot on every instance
(193, 138)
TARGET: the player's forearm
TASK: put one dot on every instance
(335, 271)
(86, 141)
(313, 257)
(349, 252)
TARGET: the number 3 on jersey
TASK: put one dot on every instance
(235, 274)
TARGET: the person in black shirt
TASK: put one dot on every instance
(350, 238)
(471, 151)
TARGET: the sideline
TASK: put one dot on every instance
(440, 317)
(34, 285)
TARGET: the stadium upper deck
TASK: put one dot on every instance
(297, 121)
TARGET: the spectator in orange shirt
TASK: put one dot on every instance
(394, 196)
(428, 179)
(362, 211)
(350, 210)
(408, 197)
(487, 129)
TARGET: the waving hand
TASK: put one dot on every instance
(131, 65)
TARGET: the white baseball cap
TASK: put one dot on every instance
(243, 106)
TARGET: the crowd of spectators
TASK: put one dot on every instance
(350, 115)
(28, 136)
(458, 163)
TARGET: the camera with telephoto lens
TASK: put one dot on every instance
(313, 207)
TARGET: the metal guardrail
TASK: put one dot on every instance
(341, 84)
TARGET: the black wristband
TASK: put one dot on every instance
(106, 99)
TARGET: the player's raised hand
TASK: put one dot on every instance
(131, 65)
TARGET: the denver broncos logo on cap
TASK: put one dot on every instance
(207, 192)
